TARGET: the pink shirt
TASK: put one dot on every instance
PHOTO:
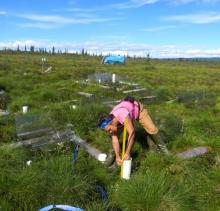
(124, 109)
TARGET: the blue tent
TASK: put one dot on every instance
(113, 60)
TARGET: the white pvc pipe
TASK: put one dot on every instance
(127, 169)
(25, 109)
(102, 157)
(113, 78)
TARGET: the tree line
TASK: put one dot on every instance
(53, 50)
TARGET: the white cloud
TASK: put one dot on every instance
(87, 10)
(193, 1)
(60, 20)
(133, 4)
(47, 18)
(123, 48)
(38, 25)
(159, 28)
(14, 44)
(3, 13)
(113, 37)
(124, 5)
(201, 18)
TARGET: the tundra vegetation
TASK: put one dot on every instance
(184, 102)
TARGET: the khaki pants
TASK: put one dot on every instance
(146, 121)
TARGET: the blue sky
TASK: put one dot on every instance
(163, 28)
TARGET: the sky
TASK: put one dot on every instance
(161, 28)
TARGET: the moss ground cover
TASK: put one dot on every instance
(186, 109)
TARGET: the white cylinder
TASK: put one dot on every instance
(29, 162)
(73, 106)
(100, 80)
(25, 109)
(127, 169)
(102, 157)
(113, 78)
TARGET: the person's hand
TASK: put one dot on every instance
(118, 161)
(126, 156)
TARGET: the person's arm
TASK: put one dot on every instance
(116, 147)
(131, 134)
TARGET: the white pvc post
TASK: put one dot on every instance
(43, 60)
(73, 107)
(25, 109)
(127, 169)
(29, 162)
(102, 157)
(113, 78)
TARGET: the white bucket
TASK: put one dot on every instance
(102, 157)
(25, 109)
(113, 78)
(127, 169)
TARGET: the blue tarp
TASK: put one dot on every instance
(114, 60)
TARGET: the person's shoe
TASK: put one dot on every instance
(161, 146)
(163, 149)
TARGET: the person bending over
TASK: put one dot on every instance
(134, 111)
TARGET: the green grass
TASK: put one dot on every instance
(157, 182)
(151, 191)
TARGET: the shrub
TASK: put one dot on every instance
(4, 100)
(46, 181)
(151, 191)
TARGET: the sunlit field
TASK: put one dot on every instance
(182, 97)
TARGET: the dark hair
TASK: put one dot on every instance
(129, 98)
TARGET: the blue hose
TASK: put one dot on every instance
(60, 206)
(104, 194)
(75, 153)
